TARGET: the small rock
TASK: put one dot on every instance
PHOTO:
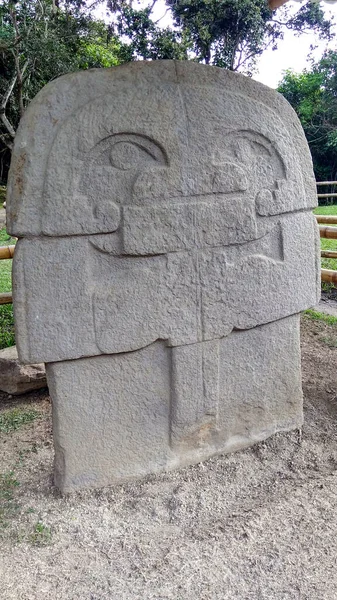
(16, 378)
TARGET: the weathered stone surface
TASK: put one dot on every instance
(168, 247)
(16, 378)
(184, 125)
(104, 304)
(135, 416)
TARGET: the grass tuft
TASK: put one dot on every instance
(330, 341)
(12, 420)
(8, 485)
(41, 535)
(318, 316)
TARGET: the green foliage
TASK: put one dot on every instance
(97, 55)
(99, 48)
(313, 95)
(226, 33)
(145, 38)
(13, 419)
(40, 40)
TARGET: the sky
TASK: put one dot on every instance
(292, 51)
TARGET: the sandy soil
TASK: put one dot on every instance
(256, 525)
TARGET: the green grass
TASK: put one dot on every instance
(329, 263)
(5, 238)
(7, 336)
(5, 275)
(8, 507)
(330, 209)
(318, 316)
(11, 420)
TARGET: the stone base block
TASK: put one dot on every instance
(16, 378)
(124, 416)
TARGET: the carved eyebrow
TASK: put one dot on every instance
(149, 146)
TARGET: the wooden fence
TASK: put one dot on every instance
(327, 275)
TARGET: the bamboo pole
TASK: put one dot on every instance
(6, 298)
(328, 232)
(328, 276)
(6, 252)
(328, 254)
(328, 219)
(326, 183)
(333, 195)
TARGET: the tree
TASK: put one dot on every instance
(144, 37)
(225, 33)
(313, 95)
(40, 40)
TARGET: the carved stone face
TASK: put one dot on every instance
(165, 211)
(182, 161)
(167, 197)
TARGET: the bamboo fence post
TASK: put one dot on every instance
(6, 298)
(328, 253)
(6, 252)
(328, 276)
(327, 219)
(328, 232)
(326, 183)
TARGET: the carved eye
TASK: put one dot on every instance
(126, 151)
(128, 155)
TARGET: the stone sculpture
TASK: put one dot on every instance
(167, 246)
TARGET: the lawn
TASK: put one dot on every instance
(330, 209)
(6, 310)
(328, 263)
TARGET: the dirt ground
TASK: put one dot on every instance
(260, 524)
